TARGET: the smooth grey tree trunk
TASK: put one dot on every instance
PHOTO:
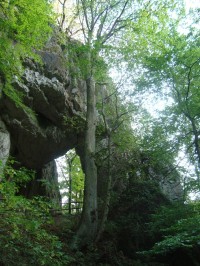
(108, 194)
(88, 225)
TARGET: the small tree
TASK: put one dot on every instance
(75, 181)
(72, 183)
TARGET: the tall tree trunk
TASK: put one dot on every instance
(107, 198)
(88, 225)
(108, 193)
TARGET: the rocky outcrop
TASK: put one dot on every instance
(169, 181)
(4, 145)
(45, 184)
(44, 132)
(172, 188)
(49, 123)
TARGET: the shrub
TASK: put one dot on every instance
(24, 239)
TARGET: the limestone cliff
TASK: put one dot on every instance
(37, 137)
(46, 134)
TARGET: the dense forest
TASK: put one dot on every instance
(99, 132)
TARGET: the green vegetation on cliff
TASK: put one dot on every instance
(24, 27)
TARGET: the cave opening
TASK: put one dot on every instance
(71, 182)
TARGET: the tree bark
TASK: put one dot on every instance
(88, 224)
(108, 194)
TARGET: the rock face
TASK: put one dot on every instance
(45, 184)
(46, 133)
(48, 128)
(4, 145)
(169, 181)
(172, 189)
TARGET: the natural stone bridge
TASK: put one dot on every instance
(55, 124)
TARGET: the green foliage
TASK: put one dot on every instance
(24, 27)
(166, 65)
(175, 230)
(77, 62)
(75, 123)
(77, 175)
(24, 238)
(16, 97)
(72, 185)
(179, 226)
